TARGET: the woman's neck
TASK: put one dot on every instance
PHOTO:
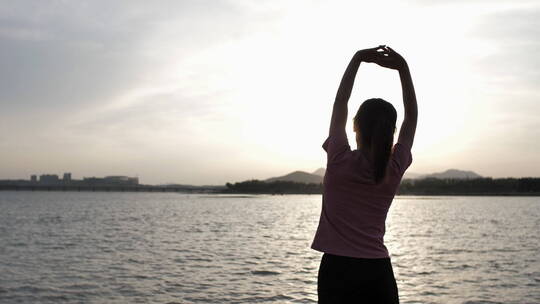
(366, 151)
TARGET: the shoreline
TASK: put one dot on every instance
(162, 189)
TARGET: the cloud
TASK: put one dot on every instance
(68, 54)
(59, 56)
(512, 61)
(114, 76)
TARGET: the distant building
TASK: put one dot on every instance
(49, 179)
(92, 180)
(125, 180)
(67, 177)
(33, 178)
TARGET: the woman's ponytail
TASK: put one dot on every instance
(381, 147)
(375, 123)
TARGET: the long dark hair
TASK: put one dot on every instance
(376, 122)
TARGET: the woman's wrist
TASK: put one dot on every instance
(359, 55)
(404, 68)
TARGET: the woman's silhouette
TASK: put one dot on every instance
(359, 187)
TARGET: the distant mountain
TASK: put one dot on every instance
(412, 175)
(317, 176)
(453, 174)
(319, 171)
(299, 177)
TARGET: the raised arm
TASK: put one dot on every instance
(339, 111)
(392, 60)
(408, 127)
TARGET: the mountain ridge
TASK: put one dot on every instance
(452, 173)
(318, 175)
(298, 177)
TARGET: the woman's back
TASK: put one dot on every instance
(354, 210)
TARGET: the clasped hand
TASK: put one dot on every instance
(384, 56)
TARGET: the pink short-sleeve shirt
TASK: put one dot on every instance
(354, 208)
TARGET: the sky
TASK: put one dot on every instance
(209, 92)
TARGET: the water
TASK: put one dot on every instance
(178, 248)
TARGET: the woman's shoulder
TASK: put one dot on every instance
(401, 158)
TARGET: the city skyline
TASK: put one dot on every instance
(206, 93)
(53, 178)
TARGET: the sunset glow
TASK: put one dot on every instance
(209, 92)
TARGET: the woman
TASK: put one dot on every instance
(359, 187)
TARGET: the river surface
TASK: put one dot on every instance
(178, 248)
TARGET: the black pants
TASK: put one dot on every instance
(354, 280)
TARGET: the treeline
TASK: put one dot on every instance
(476, 186)
(428, 186)
(276, 187)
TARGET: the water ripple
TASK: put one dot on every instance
(175, 248)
